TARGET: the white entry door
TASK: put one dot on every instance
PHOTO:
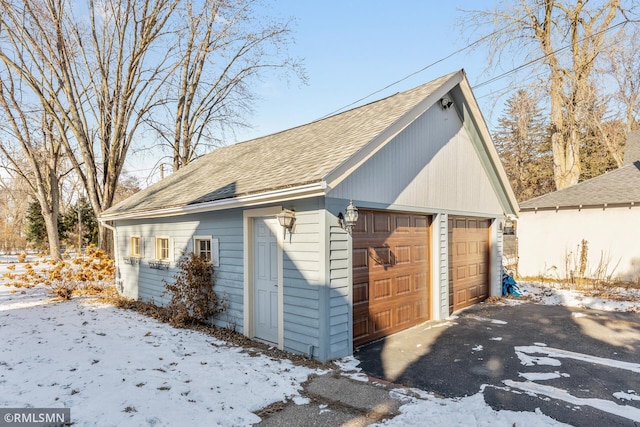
(265, 277)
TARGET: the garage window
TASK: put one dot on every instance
(208, 248)
(134, 247)
(162, 248)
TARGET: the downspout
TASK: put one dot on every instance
(115, 250)
(115, 237)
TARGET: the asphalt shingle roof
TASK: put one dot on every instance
(295, 157)
(619, 186)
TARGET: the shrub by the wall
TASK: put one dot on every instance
(193, 299)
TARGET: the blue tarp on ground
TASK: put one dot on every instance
(509, 286)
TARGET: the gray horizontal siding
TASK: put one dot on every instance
(147, 284)
(432, 164)
(301, 277)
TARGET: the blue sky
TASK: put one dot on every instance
(353, 48)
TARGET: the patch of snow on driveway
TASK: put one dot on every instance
(462, 412)
(624, 411)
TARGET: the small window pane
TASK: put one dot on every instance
(203, 248)
(135, 246)
(162, 248)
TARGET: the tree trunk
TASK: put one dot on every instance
(50, 208)
(105, 240)
(51, 222)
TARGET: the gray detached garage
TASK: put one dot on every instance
(431, 195)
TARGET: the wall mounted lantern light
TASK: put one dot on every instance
(349, 219)
(286, 218)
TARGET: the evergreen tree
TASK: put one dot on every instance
(35, 228)
(524, 145)
(89, 223)
(35, 231)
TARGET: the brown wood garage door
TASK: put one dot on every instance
(469, 261)
(390, 273)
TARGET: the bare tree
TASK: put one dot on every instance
(567, 37)
(33, 152)
(95, 77)
(601, 130)
(622, 63)
(14, 201)
(223, 47)
(99, 70)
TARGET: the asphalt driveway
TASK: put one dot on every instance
(578, 366)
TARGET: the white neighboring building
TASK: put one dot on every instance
(604, 211)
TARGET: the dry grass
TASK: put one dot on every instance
(164, 314)
(583, 284)
(89, 274)
(610, 290)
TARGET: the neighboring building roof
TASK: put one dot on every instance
(617, 187)
(298, 159)
(632, 148)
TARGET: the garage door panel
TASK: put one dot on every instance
(381, 223)
(420, 222)
(404, 314)
(381, 289)
(360, 293)
(419, 281)
(403, 285)
(361, 327)
(361, 227)
(420, 253)
(403, 255)
(473, 270)
(469, 259)
(381, 256)
(381, 321)
(397, 246)
(461, 248)
(473, 248)
(360, 259)
(403, 224)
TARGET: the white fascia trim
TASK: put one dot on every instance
(481, 125)
(309, 190)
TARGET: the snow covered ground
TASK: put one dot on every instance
(117, 367)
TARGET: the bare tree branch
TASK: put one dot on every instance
(527, 28)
